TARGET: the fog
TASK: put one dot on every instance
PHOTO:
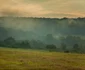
(22, 28)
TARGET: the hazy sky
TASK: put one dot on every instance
(42, 8)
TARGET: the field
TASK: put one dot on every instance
(20, 59)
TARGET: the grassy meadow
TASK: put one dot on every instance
(23, 59)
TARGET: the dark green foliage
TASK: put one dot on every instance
(51, 47)
(24, 44)
(9, 42)
(63, 47)
(37, 44)
(50, 39)
(12, 43)
(66, 51)
(71, 40)
(76, 48)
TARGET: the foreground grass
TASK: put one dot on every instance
(18, 59)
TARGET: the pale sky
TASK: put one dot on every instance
(43, 8)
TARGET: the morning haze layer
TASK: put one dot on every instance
(37, 28)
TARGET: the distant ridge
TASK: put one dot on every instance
(41, 17)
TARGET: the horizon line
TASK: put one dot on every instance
(41, 17)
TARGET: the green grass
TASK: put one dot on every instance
(19, 59)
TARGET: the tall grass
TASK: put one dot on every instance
(19, 59)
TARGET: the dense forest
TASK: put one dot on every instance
(53, 34)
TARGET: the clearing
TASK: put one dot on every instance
(22, 59)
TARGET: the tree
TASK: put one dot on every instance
(76, 48)
(50, 39)
(9, 42)
(63, 47)
(24, 44)
(37, 44)
(51, 47)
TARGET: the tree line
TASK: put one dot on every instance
(25, 44)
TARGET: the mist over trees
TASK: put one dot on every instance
(64, 35)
